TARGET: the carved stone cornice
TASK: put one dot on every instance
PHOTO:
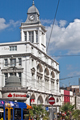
(41, 92)
(11, 70)
(14, 89)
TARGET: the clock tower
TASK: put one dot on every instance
(33, 15)
(32, 30)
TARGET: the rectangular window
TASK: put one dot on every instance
(52, 86)
(6, 77)
(6, 62)
(13, 48)
(12, 74)
(17, 113)
(36, 36)
(19, 76)
(13, 62)
(31, 36)
(25, 36)
(47, 84)
(20, 61)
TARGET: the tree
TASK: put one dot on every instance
(68, 109)
(76, 114)
(38, 111)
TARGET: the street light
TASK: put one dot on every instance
(28, 97)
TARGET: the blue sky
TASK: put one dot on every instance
(65, 39)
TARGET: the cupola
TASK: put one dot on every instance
(33, 9)
(13, 81)
(33, 15)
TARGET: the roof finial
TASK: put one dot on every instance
(33, 2)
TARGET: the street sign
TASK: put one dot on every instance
(51, 100)
(47, 108)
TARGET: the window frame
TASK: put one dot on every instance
(13, 62)
(36, 36)
(20, 61)
(25, 35)
(6, 62)
(13, 48)
(31, 36)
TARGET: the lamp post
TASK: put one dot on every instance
(29, 96)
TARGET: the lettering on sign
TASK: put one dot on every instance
(16, 95)
(5, 48)
(19, 95)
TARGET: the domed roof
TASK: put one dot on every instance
(13, 81)
(33, 9)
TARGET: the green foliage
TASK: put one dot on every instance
(38, 111)
(68, 109)
(76, 114)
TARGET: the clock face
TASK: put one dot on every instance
(31, 17)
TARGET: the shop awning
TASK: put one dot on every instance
(29, 107)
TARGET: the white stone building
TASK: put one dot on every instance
(29, 61)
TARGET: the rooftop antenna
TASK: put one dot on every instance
(33, 2)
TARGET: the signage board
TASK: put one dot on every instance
(51, 100)
(47, 108)
(14, 95)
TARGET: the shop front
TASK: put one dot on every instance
(10, 110)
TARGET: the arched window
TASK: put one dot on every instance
(40, 100)
(52, 74)
(39, 68)
(46, 71)
(57, 100)
(32, 96)
(47, 100)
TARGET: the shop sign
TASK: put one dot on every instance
(16, 95)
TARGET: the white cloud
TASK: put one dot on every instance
(4, 25)
(17, 23)
(65, 38)
(74, 73)
(46, 21)
(62, 23)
